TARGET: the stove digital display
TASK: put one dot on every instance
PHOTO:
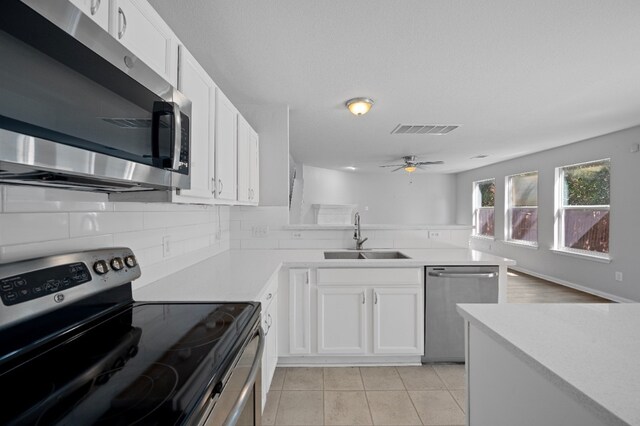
(32, 285)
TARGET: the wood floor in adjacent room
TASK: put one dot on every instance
(421, 395)
(523, 288)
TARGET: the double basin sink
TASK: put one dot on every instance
(365, 255)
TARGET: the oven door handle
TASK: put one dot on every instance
(234, 415)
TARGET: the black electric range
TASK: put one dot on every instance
(104, 359)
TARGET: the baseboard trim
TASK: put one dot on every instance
(347, 361)
(574, 286)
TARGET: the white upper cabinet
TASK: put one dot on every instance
(254, 167)
(226, 148)
(195, 83)
(97, 10)
(141, 30)
(248, 163)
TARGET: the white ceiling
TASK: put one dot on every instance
(517, 76)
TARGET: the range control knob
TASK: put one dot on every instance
(101, 267)
(117, 263)
(130, 261)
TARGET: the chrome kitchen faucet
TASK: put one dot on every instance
(356, 234)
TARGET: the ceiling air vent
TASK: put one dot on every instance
(422, 129)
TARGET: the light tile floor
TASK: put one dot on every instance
(421, 395)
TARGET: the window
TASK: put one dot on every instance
(484, 193)
(522, 210)
(582, 221)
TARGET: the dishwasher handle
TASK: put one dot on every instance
(234, 415)
(463, 274)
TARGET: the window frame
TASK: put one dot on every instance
(508, 206)
(477, 206)
(559, 243)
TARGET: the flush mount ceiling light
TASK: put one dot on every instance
(359, 106)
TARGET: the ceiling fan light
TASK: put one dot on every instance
(410, 169)
(359, 106)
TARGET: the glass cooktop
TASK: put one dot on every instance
(148, 364)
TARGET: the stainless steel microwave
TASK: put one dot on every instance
(78, 110)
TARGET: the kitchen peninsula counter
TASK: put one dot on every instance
(242, 274)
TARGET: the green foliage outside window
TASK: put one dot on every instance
(587, 184)
(487, 193)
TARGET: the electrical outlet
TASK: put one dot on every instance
(259, 231)
(166, 247)
(619, 276)
(634, 147)
(296, 235)
(434, 234)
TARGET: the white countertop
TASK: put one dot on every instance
(242, 274)
(590, 350)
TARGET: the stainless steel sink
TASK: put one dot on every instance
(385, 255)
(365, 255)
(343, 255)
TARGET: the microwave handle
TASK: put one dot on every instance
(177, 136)
(162, 109)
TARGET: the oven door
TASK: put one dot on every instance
(240, 401)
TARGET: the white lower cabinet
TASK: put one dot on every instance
(299, 311)
(342, 322)
(270, 355)
(269, 324)
(398, 323)
(353, 312)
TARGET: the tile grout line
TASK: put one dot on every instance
(366, 397)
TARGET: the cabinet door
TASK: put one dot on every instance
(244, 161)
(226, 143)
(341, 320)
(254, 158)
(97, 10)
(196, 84)
(141, 30)
(270, 357)
(398, 320)
(299, 311)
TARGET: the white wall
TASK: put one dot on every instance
(38, 222)
(267, 228)
(382, 198)
(272, 124)
(625, 214)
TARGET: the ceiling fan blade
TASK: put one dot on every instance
(424, 163)
(393, 165)
(399, 168)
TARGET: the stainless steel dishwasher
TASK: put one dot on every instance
(444, 287)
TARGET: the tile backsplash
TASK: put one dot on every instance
(165, 237)
(268, 228)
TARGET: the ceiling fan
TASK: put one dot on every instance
(411, 163)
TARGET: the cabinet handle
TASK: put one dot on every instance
(248, 193)
(95, 5)
(306, 278)
(375, 297)
(123, 23)
(213, 186)
(364, 298)
(221, 186)
(270, 320)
